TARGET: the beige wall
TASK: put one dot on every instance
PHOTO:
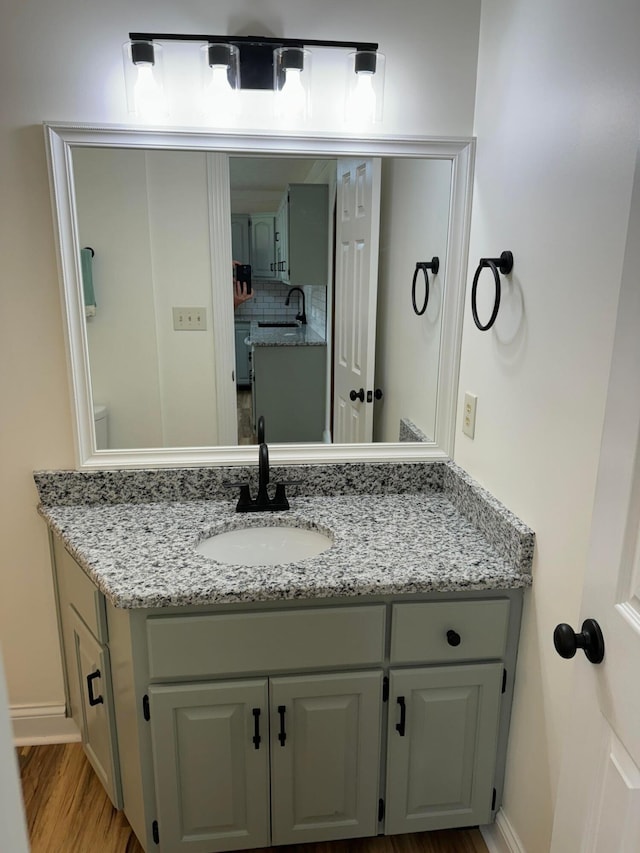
(557, 121)
(62, 62)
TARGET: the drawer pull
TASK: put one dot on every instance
(401, 726)
(256, 728)
(282, 736)
(453, 638)
(93, 700)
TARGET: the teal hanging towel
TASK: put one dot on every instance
(86, 261)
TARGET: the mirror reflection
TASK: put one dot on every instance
(327, 346)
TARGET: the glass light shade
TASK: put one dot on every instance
(220, 64)
(365, 87)
(144, 80)
(292, 82)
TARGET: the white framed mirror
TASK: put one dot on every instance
(162, 211)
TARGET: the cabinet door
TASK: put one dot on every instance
(210, 753)
(442, 738)
(325, 736)
(263, 259)
(308, 237)
(282, 239)
(240, 245)
(96, 722)
(242, 330)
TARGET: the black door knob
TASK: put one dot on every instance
(590, 640)
(356, 395)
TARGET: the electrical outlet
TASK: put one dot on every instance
(190, 319)
(469, 414)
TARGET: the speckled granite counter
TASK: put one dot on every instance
(396, 529)
(284, 336)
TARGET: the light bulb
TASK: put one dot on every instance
(220, 100)
(362, 100)
(148, 94)
(292, 97)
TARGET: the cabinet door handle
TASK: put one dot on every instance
(256, 728)
(93, 700)
(282, 736)
(401, 726)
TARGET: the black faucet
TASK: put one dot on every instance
(262, 502)
(301, 315)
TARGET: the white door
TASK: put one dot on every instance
(598, 804)
(356, 288)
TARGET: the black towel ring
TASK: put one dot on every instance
(93, 254)
(434, 266)
(504, 264)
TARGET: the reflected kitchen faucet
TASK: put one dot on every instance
(302, 314)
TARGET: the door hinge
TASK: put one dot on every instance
(155, 832)
(493, 799)
(385, 689)
(146, 712)
(504, 680)
(380, 810)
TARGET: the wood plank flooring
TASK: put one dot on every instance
(68, 812)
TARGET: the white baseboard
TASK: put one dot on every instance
(500, 837)
(36, 724)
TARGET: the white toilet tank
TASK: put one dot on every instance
(100, 419)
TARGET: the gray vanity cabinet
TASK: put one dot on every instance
(83, 630)
(242, 726)
(211, 764)
(325, 736)
(442, 738)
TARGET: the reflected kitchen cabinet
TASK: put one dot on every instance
(240, 243)
(289, 391)
(263, 245)
(303, 234)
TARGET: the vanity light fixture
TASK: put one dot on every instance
(365, 87)
(144, 79)
(232, 63)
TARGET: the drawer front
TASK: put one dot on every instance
(197, 646)
(443, 631)
(80, 591)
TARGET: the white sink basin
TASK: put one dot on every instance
(264, 546)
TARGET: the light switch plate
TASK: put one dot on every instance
(469, 414)
(190, 319)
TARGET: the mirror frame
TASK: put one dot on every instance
(62, 138)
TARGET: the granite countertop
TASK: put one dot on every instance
(284, 336)
(143, 554)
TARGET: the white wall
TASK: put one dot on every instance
(146, 215)
(557, 121)
(62, 62)
(414, 219)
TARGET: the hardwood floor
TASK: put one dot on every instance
(68, 812)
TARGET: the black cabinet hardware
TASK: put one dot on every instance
(453, 638)
(590, 640)
(93, 700)
(155, 832)
(256, 728)
(380, 810)
(401, 726)
(385, 689)
(378, 394)
(282, 736)
(356, 395)
(146, 712)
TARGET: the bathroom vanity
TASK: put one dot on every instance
(364, 690)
